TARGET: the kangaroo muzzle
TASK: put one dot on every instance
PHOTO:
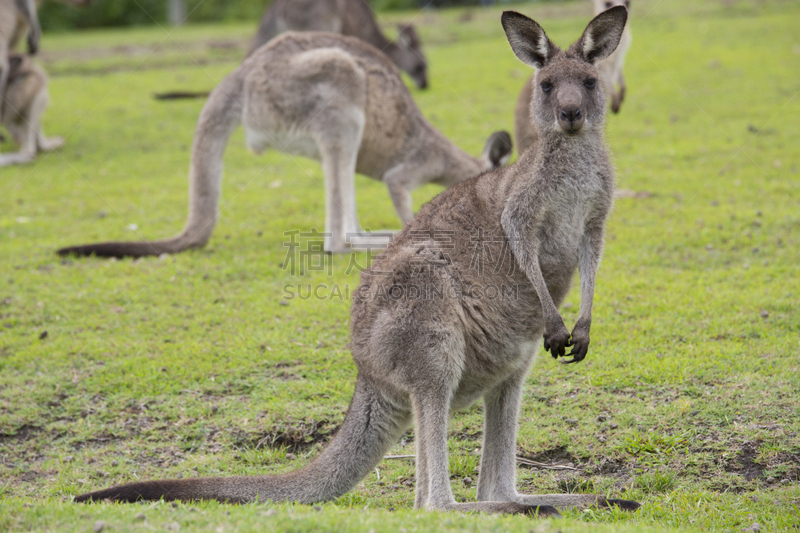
(571, 119)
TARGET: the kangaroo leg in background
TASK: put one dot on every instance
(619, 95)
(25, 135)
(338, 135)
(397, 182)
(4, 68)
(17, 116)
(43, 143)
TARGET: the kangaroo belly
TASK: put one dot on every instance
(287, 141)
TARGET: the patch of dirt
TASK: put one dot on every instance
(555, 455)
(23, 433)
(614, 467)
(744, 463)
(466, 435)
(295, 437)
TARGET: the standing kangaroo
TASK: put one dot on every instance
(328, 97)
(426, 334)
(347, 17)
(12, 14)
(22, 105)
(610, 75)
(25, 100)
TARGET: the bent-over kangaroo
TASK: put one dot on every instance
(25, 100)
(348, 17)
(432, 328)
(328, 97)
(610, 74)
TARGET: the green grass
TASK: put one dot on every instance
(191, 366)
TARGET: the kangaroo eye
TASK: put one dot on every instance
(628, 4)
(590, 83)
(608, 5)
(546, 86)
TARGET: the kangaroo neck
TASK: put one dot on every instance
(457, 165)
(556, 150)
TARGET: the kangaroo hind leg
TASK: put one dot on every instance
(43, 143)
(434, 383)
(497, 480)
(338, 138)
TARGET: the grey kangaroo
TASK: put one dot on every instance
(14, 13)
(610, 75)
(348, 17)
(25, 100)
(426, 334)
(328, 97)
(22, 105)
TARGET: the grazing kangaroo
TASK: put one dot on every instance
(610, 75)
(328, 97)
(25, 100)
(347, 17)
(426, 334)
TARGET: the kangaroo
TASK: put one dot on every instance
(12, 11)
(610, 75)
(427, 335)
(25, 100)
(328, 97)
(348, 17)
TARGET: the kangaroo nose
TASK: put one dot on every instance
(570, 119)
(570, 114)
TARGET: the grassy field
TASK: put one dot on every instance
(199, 364)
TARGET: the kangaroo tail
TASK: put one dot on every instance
(219, 118)
(372, 425)
(178, 95)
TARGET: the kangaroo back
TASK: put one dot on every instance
(347, 17)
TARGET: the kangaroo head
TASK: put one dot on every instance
(602, 5)
(567, 94)
(410, 57)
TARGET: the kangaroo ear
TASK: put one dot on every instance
(498, 149)
(527, 39)
(408, 36)
(602, 35)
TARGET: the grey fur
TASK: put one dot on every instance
(428, 339)
(347, 17)
(25, 100)
(611, 76)
(332, 98)
(12, 14)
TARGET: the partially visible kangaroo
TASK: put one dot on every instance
(348, 17)
(610, 74)
(427, 335)
(328, 97)
(25, 100)
(12, 11)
